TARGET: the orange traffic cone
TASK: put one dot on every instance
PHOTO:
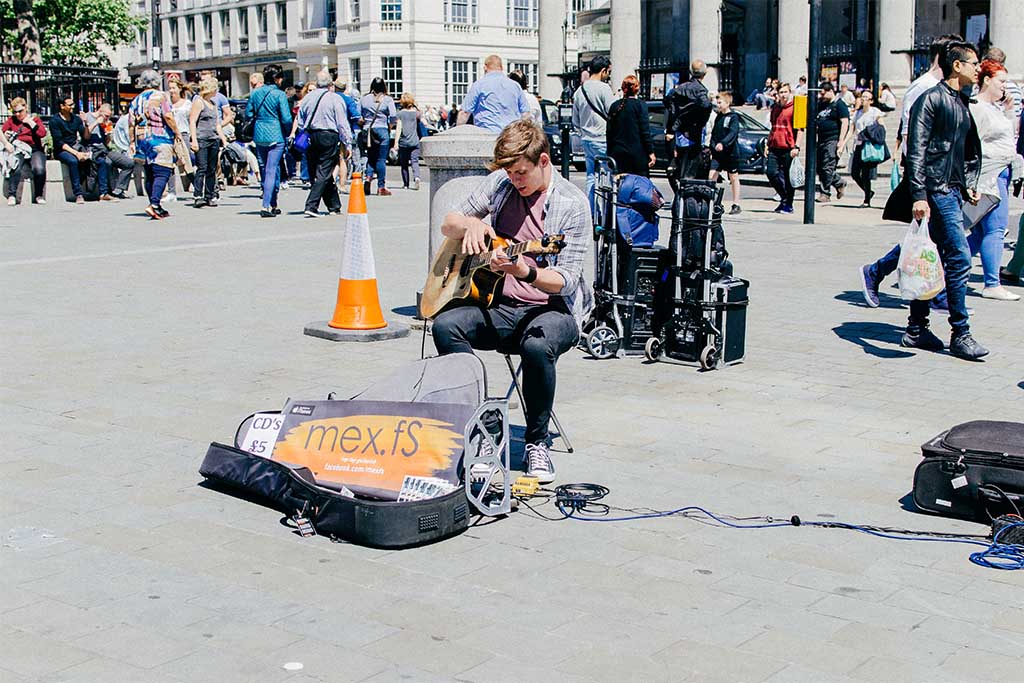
(357, 313)
(358, 306)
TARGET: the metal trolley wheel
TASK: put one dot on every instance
(652, 349)
(602, 342)
(709, 357)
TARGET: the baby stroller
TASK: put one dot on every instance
(702, 312)
(629, 269)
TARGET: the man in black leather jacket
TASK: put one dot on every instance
(687, 110)
(943, 164)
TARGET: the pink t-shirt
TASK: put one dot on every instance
(521, 219)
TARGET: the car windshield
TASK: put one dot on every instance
(750, 123)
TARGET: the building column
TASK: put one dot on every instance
(551, 57)
(896, 32)
(706, 38)
(625, 26)
(1006, 26)
(794, 24)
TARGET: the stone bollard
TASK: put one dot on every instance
(457, 159)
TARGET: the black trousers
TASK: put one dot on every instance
(688, 163)
(828, 164)
(863, 174)
(777, 170)
(540, 334)
(38, 167)
(322, 157)
(204, 186)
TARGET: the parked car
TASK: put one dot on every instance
(549, 110)
(752, 140)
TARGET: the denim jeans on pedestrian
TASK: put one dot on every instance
(71, 162)
(987, 236)
(539, 334)
(591, 150)
(377, 156)
(270, 165)
(777, 170)
(946, 228)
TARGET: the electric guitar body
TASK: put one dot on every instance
(463, 279)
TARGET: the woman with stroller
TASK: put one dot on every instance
(207, 137)
(629, 131)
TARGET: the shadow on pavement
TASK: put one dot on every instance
(856, 298)
(864, 334)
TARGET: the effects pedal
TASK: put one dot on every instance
(524, 487)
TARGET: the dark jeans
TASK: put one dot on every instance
(38, 166)
(322, 158)
(863, 174)
(540, 334)
(407, 156)
(777, 170)
(828, 162)
(204, 185)
(156, 182)
(946, 228)
(101, 157)
(377, 157)
(688, 162)
(72, 162)
(123, 166)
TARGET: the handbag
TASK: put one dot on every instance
(301, 141)
(363, 139)
(975, 213)
(248, 130)
(870, 153)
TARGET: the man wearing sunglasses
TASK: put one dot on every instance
(943, 164)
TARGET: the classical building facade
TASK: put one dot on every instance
(432, 48)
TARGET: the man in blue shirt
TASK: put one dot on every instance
(495, 100)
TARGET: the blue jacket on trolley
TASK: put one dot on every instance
(636, 210)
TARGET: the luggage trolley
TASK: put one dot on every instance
(626, 277)
(702, 316)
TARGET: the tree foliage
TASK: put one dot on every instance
(76, 31)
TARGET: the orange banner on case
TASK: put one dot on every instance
(374, 453)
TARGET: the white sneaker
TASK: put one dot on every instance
(538, 463)
(40, 201)
(478, 472)
(1000, 293)
(312, 214)
(11, 201)
(170, 197)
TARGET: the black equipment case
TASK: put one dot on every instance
(973, 471)
(294, 491)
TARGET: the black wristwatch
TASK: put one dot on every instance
(530, 276)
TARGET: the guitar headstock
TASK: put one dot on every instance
(551, 244)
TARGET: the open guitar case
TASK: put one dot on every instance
(457, 378)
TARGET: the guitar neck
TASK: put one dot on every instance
(512, 250)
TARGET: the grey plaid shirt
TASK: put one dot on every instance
(566, 212)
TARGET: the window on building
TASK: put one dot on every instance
(355, 74)
(522, 13)
(391, 72)
(207, 28)
(174, 32)
(261, 19)
(190, 30)
(143, 41)
(354, 15)
(460, 11)
(225, 24)
(458, 75)
(578, 6)
(529, 70)
(391, 10)
(282, 17)
(243, 29)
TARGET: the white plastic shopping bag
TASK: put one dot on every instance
(921, 274)
(796, 173)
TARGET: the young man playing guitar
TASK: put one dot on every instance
(538, 309)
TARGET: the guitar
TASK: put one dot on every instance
(457, 278)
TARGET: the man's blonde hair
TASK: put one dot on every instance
(521, 139)
(256, 79)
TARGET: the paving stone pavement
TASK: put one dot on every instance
(129, 345)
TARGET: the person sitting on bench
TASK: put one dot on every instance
(539, 310)
(67, 130)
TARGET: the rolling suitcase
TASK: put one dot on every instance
(973, 471)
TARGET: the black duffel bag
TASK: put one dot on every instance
(973, 471)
